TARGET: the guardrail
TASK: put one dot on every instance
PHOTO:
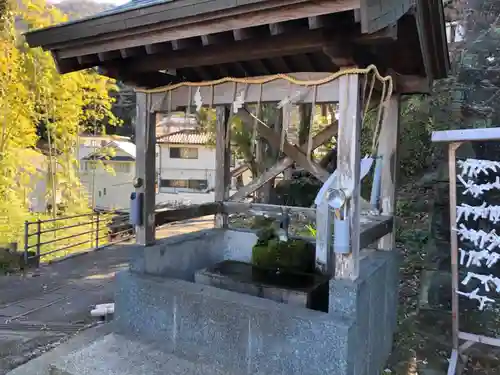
(54, 238)
(45, 240)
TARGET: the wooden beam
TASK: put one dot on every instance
(155, 48)
(424, 43)
(243, 207)
(170, 216)
(340, 53)
(386, 35)
(371, 228)
(242, 70)
(281, 65)
(187, 43)
(222, 161)
(388, 152)
(245, 34)
(276, 46)
(65, 65)
(318, 22)
(305, 61)
(217, 38)
(249, 70)
(131, 52)
(411, 84)
(261, 67)
(357, 15)
(292, 151)
(145, 170)
(282, 27)
(348, 168)
(146, 80)
(322, 137)
(376, 16)
(107, 56)
(273, 91)
(464, 135)
(203, 73)
(88, 60)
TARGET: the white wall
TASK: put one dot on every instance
(202, 168)
(111, 190)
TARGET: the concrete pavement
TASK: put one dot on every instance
(43, 308)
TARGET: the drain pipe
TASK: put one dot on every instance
(103, 310)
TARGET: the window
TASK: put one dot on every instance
(104, 191)
(174, 183)
(185, 184)
(121, 167)
(183, 153)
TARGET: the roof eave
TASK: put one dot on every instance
(177, 13)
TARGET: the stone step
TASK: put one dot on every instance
(117, 355)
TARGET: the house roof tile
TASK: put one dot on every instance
(187, 137)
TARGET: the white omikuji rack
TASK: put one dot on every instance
(462, 341)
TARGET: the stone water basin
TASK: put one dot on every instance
(292, 288)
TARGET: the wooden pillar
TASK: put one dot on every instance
(222, 162)
(388, 150)
(145, 169)
(348, 168)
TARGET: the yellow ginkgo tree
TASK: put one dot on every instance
(37, 103)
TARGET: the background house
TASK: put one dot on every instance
(167, 123)
(186, 162)
(89, 143)
(185, 166)
(107, 175)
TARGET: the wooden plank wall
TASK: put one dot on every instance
(224, 94)
(377, 14)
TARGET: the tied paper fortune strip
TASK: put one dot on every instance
(474, 167)
(475, 258)
(474, 295)
(478, 190)
(492, 213)
(484, 279)
(480, 238)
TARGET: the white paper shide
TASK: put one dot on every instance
(486, 244)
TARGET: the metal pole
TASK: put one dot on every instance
(97, 231)
(38, 235)
(26, 237)
(454, 242)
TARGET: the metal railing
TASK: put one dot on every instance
(45, 240)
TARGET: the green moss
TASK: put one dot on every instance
(260, 222)
(293, 255)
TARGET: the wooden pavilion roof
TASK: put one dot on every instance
(150, 43)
